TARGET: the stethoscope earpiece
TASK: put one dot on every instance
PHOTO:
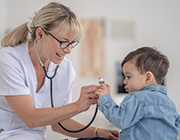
(38, 37)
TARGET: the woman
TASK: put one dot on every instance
(25, 106)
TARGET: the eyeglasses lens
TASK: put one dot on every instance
(64, 45)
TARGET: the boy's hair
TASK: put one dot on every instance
(149, 59)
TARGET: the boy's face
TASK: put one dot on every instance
(134, 80)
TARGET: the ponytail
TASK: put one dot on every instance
(16, 36)
(52, 16)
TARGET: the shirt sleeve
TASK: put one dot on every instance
(12, 81)
(128, 113)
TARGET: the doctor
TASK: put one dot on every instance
(25, 106)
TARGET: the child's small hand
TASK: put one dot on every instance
(103, 89)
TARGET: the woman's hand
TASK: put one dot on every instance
(87, 97)
(108, 134)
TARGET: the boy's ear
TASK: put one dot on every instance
(149, 76)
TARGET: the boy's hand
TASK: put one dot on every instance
(103, 89)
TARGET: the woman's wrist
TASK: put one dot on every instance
(95, 131)
(77, 107)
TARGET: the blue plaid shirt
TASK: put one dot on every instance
(147, 114)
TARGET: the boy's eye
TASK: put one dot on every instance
(128, 77)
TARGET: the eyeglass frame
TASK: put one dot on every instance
(61, 42)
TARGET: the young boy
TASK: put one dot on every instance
(146, 113)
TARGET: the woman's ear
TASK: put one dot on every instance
(149, 77)
(39, 32)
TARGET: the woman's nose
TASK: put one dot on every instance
(68, 49)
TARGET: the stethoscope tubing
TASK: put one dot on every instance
(51, 93)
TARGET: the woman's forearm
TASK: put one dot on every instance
(32, 117)
(48, 116)
(24, 108)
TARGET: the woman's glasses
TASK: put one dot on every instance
(65, 44)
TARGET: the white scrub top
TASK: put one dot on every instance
(18, 77)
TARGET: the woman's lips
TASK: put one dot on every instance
(61, 57)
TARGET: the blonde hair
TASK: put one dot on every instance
(52, 16)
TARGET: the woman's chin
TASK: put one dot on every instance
(57, 62)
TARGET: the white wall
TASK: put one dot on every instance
(157, 24)
(3, 17)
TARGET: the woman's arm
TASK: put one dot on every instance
(89, 132)
(23, 106)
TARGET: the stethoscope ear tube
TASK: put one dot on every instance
(51, 93)
(45, 71)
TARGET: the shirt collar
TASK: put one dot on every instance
(160, 88)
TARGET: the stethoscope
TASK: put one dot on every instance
(51, 92)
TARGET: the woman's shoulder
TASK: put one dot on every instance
(8, 54)
(12, 55)
(14, 51)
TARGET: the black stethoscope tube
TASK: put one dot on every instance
(52, 105)
(51, 93)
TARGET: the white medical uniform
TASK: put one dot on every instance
(18, 77)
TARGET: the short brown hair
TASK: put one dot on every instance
(149, 59)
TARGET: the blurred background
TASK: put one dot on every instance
(124, 26)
